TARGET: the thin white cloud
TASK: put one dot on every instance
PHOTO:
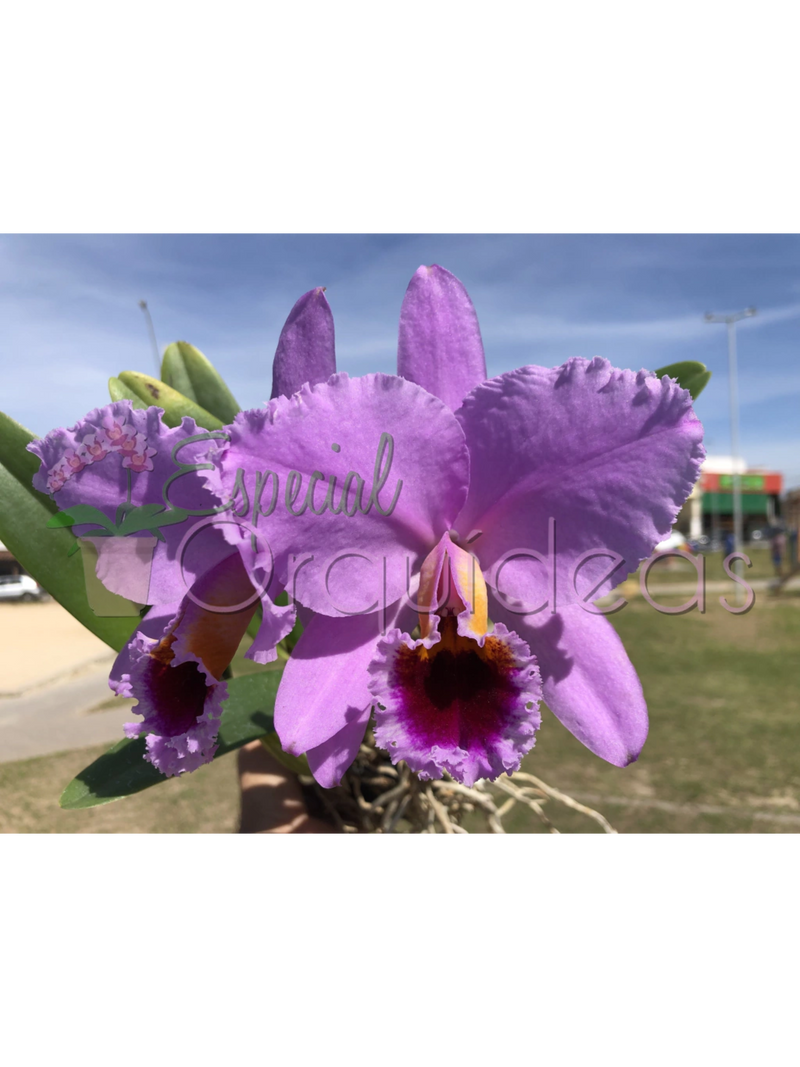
(533, 328)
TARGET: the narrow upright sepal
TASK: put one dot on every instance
(306, 351)
(439, 345)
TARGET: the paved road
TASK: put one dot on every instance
(59, 717)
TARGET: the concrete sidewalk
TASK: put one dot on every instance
(53, 678)
(79, 712)
(632, 587)
(42, 643)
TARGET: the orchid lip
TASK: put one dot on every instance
(453, 703)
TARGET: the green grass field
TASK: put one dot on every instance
(723, 755)
(673, 569)
(723, 693)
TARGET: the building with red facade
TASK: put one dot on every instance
(709, 509)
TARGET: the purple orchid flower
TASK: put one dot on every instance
(558, 481)
(434, 495)
(202, 599)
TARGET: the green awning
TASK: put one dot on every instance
(722, 503)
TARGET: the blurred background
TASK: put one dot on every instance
(722, 689)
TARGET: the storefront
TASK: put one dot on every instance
(709, 510)
(760, 491)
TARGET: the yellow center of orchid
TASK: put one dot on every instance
(451, 582)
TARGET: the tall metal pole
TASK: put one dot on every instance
(151, 328)
(733, 393)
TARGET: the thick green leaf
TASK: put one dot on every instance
(158, 394)
(14, 439)
(123, 770)
(43, 553)
(186, 369)
(689, 374)
(118, 390)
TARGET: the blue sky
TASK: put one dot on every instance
(69, 315)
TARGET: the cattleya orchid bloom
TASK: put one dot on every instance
(547, 475)
(202, 600)
(458, 699)
(488, 513)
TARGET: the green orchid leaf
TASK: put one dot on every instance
(689, 374)
(48, 555)
(123, 770)
(118, 390)
(20, 463)
(150, 517)
(155, 393)
(78, 515)
(61, 518)
(255, 623)
(122, 511)
(138, 519)
(152, 509)
(186, 369)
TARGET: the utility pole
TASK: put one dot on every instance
(151, 328)
(733, 394)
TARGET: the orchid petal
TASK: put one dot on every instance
(325, 684)
(174, 663)
(589, 683)
(330, 760)
(104, 438)
(152, 627)
(276, 623)
(216, 613)
(608, 455)
(400, 452)
(305, 351)
(440, 345)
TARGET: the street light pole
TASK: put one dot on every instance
(733, 393)
(151, 328)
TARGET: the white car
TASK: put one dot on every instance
(20, 587)
(675, 540)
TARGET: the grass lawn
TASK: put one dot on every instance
(671, 569)
(723, 693)
(723, 755)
